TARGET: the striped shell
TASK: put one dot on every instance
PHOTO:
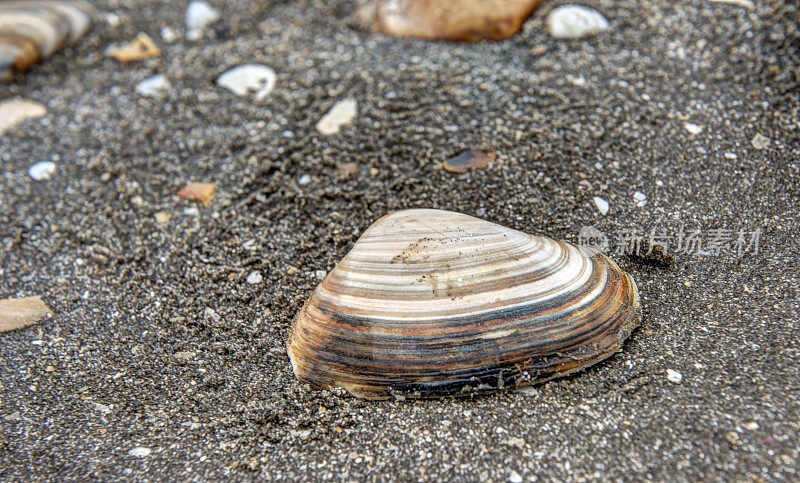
(434, 303)
(30, 30)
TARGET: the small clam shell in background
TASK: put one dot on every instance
(447, 19)
(31, 30)
(435, 303)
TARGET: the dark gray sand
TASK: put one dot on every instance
(132, 359)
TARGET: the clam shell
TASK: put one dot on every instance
(435, 303)
(31, 30)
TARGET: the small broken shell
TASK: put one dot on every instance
(31, 30)
(434, 303)
(447, 19)
(141, 48)
(472, 159)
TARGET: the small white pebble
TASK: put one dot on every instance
(254, 278)
(199, 15)
(42, 170)
(760, 141)
(304, 179)
(210, 313)
(639, 198)
(575, 21)
(140, 451)
(748, 4)
(340, 114)
(598, 165)
(602, 205)
(730, 155)
(674, 376)
(112, 19)
(169, 35)
(514, 477)
(320, 274)
(249, 79)
(693, 128)
(155, 86)
(527, 390)
(659, 183)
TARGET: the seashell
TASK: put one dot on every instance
(141, 48)
(22, 312)
(203, 192)
(448, 19)
(249, 79)
(31, 30)
(472, 159)
(15, 112)
(434, 303)
(341, 114)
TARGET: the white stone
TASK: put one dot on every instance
(602, 205)
(42, 170)
(169, 35)
(692, 128)
(320, 274)
(199, 15)
(514, 477)
(140, 451)
(731, 156)
(674, 376)
(102, 408)
(760, 141)
(249, 79)
(211, 314)
(155, 86)
(113, 20)
(254, 278)
(639, 198)
(575, 21)
(739, 3)
(342, 113)
(304, 179)
(527, 390)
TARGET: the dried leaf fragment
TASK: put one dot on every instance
(21, 312)
(203, 192)
(472, 159)
(141, 48)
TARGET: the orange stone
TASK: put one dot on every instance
(469, 20)
(203, 192)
